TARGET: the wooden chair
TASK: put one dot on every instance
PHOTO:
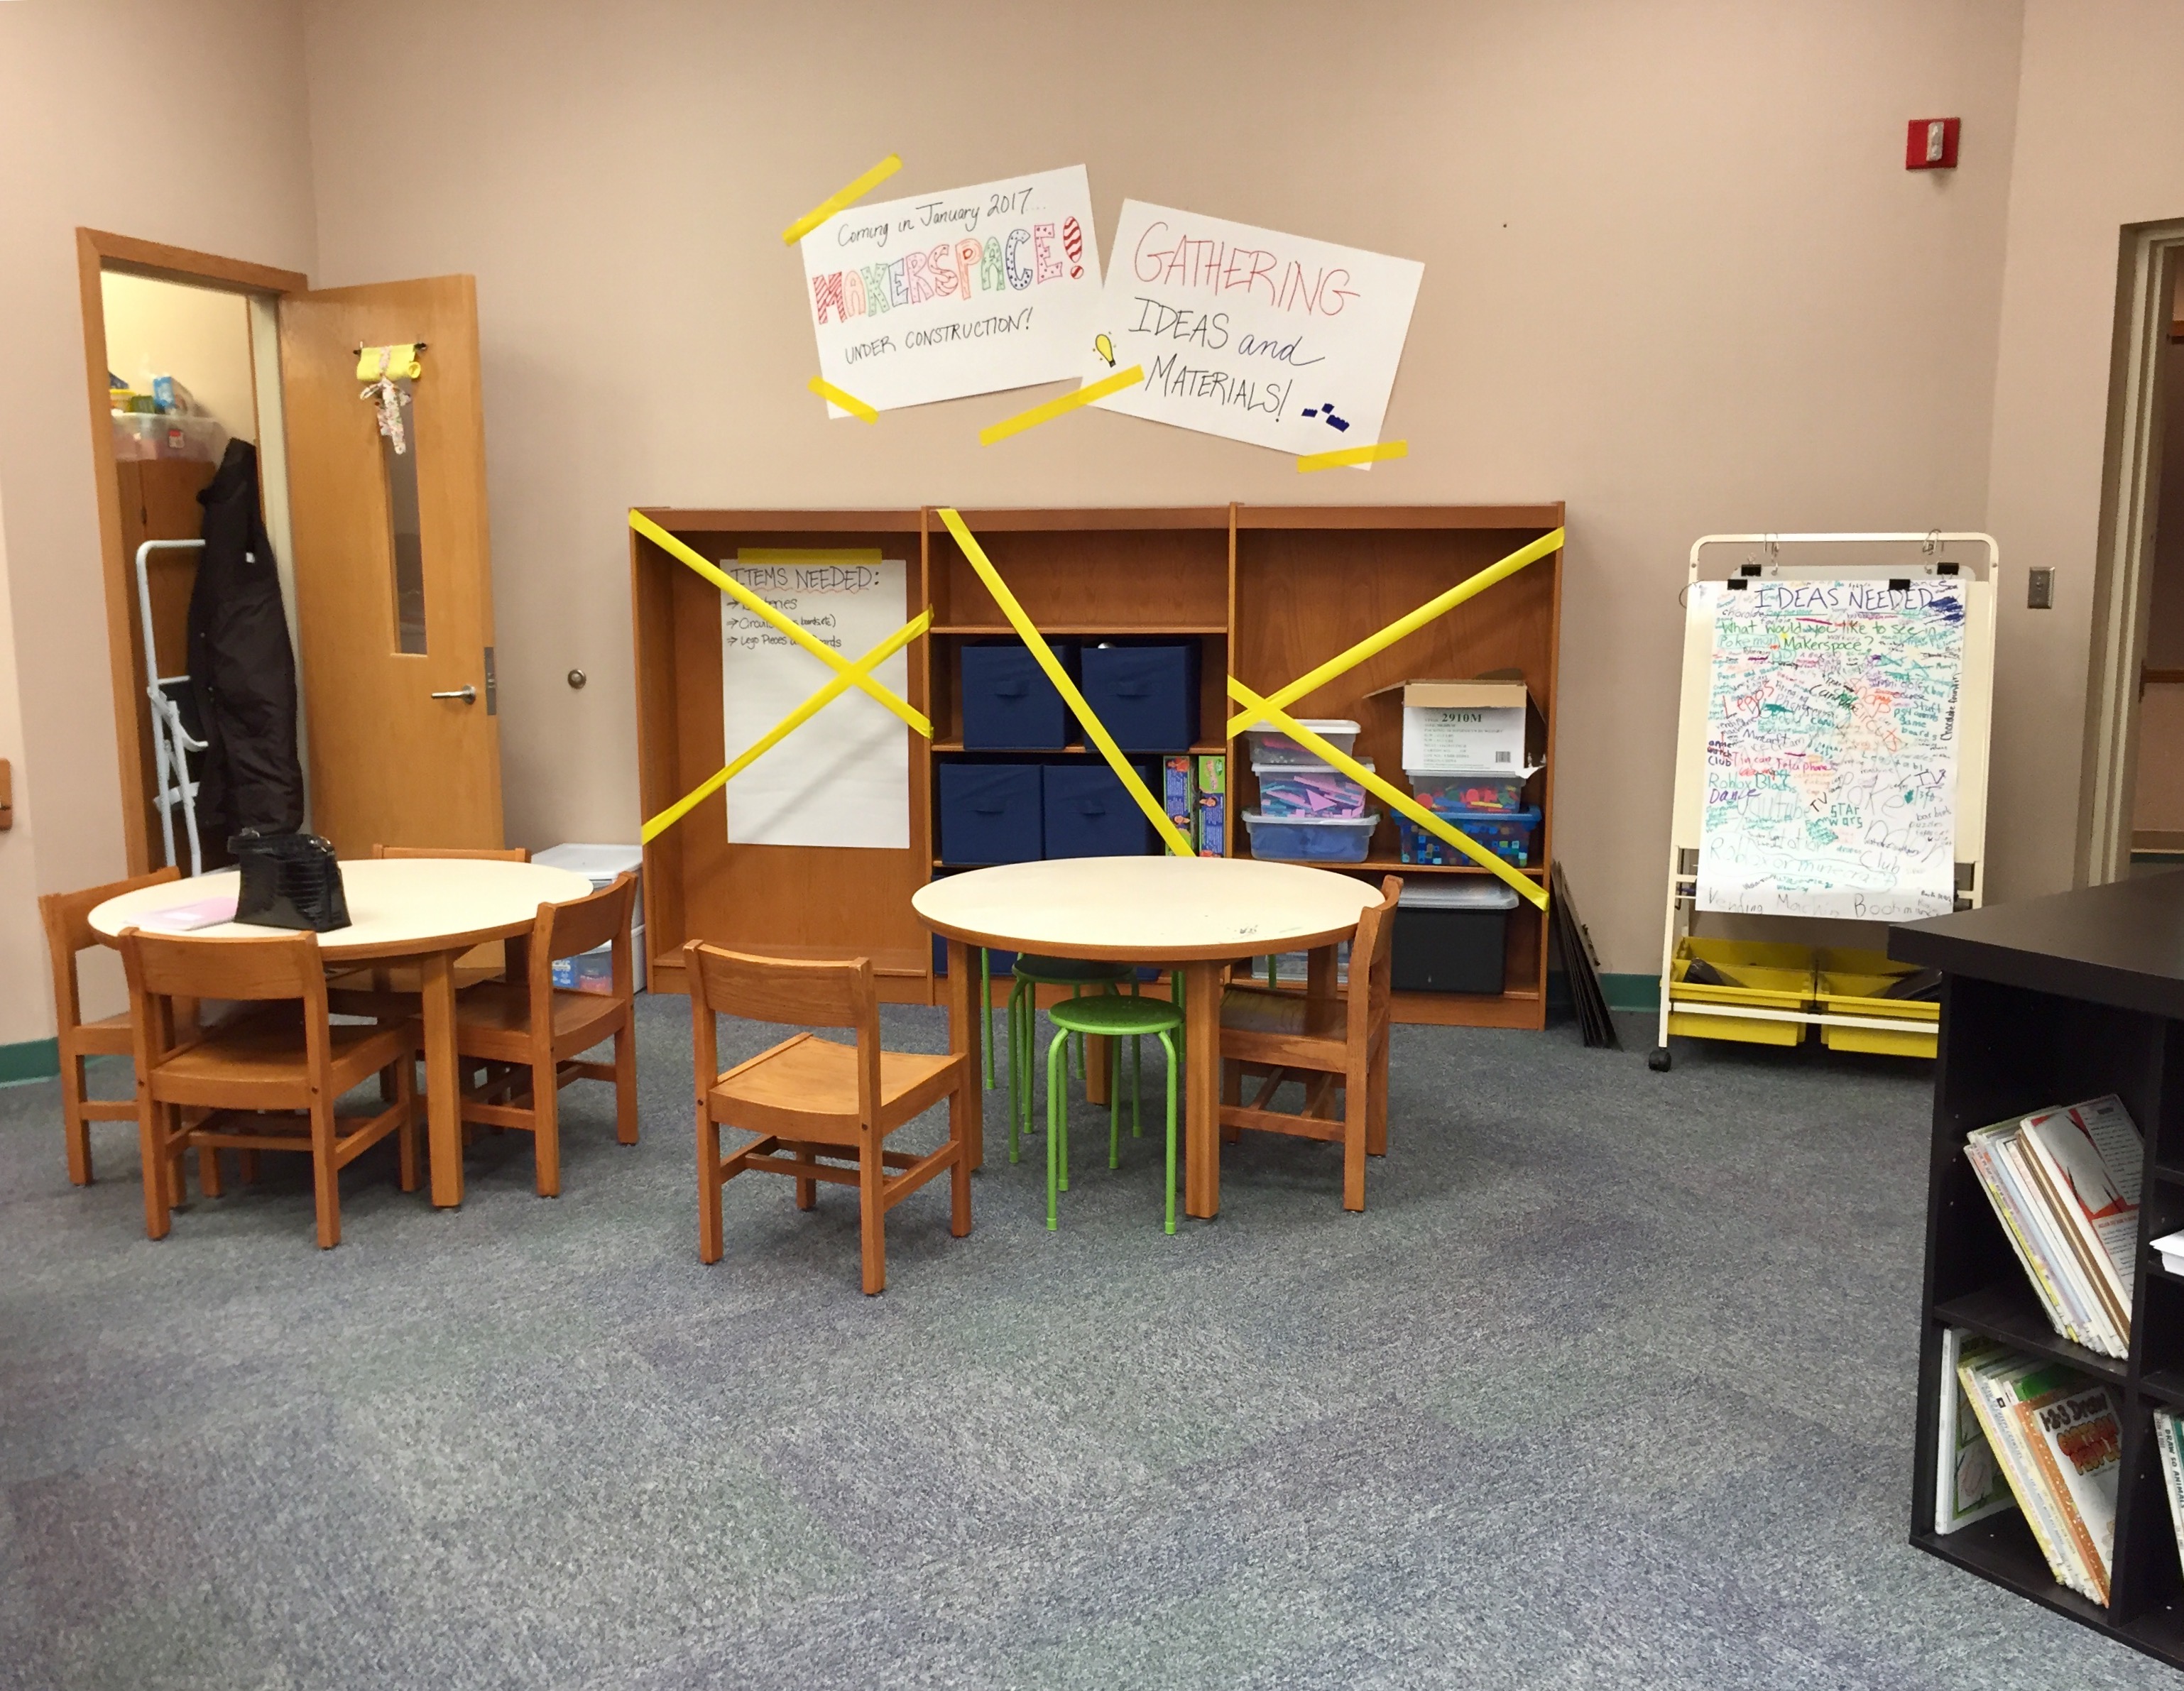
(280, 1061)
(817, 1098)
(528, 1033)
(67, 918)
(1329, 1043)
(385, 991)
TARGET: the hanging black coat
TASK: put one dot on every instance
(243, 670)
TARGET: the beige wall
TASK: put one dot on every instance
(23, 1009)
(2100, 145)
(199, 335)
(232, 74)
(1675, 274)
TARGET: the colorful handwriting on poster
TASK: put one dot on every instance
(1264, 338)
(1831, 748)
(968, 290)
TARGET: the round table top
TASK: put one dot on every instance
(398, 906)
(1164, 910)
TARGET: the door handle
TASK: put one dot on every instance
(467, 694)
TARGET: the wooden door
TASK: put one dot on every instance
(393, 571)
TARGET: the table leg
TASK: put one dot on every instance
(1201, 1188)
(443, 1119)
(966, 1024)
(1098, 1067)
(1319, 973)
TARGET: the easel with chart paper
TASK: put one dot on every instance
(1831, 753)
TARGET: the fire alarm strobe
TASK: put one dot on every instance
(1931, 144)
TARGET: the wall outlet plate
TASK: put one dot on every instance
(2040, 589)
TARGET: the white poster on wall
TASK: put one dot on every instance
(1272, 339)
(966, 291)
(843, 778)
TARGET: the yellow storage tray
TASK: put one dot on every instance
(1769, 976)
(1849, 984)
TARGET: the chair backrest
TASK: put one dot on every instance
(1372, 959)
(512, 855)
(586, 923)
(163, 967)
(67, 919)
(801, 992)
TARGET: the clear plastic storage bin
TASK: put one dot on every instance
(1270, 747)
(1310, 839)
(1449, 795)
(1312, 789)
(1507, 833)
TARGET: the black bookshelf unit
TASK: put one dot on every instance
(2048, 1002)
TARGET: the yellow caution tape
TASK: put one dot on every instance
(834, 202)
(848, 402)
(1353, 454)
(1410, 624)
(1056, 408)
(1170, 835)
(789, 725)
(758, 607)
(1390, 795)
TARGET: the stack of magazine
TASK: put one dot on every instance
(2056, 1435)
(2065, 1182)
(2168, 1440)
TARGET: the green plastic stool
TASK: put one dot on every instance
(1032, 972)
(1112, 1016)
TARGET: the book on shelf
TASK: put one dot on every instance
(2057, 1435)
(1967, 1481)
(2064, 1183)
(2169, 1441)
(2171, 1247)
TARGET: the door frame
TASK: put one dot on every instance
(2123, 571)
(263, 285)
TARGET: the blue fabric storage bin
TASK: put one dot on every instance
(1090, 813)
(1147, 696)
(1009, 705)
(989, 812)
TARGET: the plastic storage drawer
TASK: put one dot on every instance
(1309, 790)
(989, 812)
(1850, 983)
(1271, 746)
(1507, 833)
(1452, 939)
(593, 970)
(1449, 795)
(1311, 839)
(1009, 705)
(1763, 975)
(1090, 813)
(1147, 696)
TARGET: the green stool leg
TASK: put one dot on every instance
(986, 1008)
(1170, 1044)
(1019, 1069)
(1114, 1104)
(1137, 1082)
(1058, 1128)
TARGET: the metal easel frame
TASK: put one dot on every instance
(1763, 561)
(171, 743)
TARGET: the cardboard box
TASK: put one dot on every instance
(1213, 805)
(1179, 796)
(1469, 726)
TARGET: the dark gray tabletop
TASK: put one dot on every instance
(2121, 944)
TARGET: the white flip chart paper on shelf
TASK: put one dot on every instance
(1831, 748)
(843, 778)
(1272, 339)
(966, 291)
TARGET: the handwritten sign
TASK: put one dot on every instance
(968, 290)
(1831, 748)
(1272, 339)
(843, 779)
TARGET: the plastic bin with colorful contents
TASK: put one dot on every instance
(1865, 997)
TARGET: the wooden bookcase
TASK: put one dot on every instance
(1269, 591)
(2051, 1001)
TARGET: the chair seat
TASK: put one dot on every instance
(494, 1020)
(1115, 1017)
(260, 1058)
(808, 1085)
(1072, 972)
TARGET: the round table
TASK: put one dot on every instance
(1200, 912)
(429, 909)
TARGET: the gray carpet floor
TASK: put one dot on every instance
(1613, 1385)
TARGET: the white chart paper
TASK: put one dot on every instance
(966, 291)
(1272, 339)
(843, 778)
(1831, 748)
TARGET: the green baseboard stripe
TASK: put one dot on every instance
(34, 1060)
(1632, 992)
